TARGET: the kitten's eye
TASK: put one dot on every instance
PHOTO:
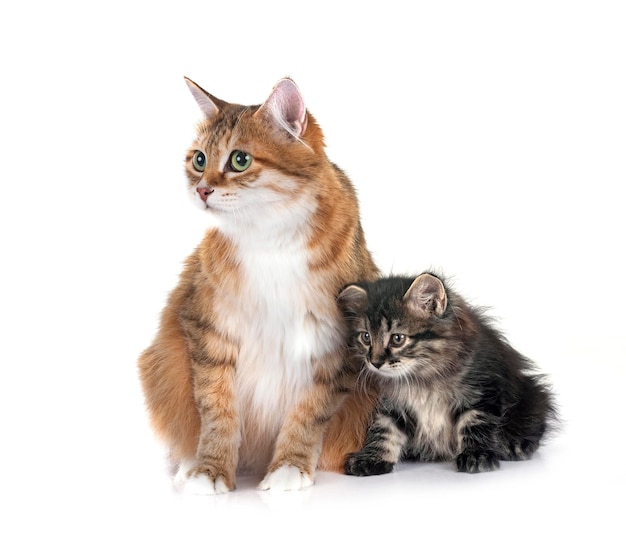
(397, 339)
(365, 337)
(239, 161)
(198, 161)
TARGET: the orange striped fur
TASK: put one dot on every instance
(248, 371)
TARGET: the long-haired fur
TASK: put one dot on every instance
(247, 371)
(451, 385)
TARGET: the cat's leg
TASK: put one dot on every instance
(527, 421)
(213, 369)
(517, 449)
(300, 440)
(185, 480)
(522, 436)
(478, 442)
(385, 443)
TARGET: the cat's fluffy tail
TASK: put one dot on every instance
(346, 431)
(166, 380)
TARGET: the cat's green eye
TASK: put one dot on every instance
(239, 161)
(397, 339)
(198, 161)
(365, 337)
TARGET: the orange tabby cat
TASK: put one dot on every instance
(247, 371)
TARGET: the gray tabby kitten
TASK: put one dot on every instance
(451, 387)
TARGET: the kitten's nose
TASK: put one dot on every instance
(204, 192)
(378, 363)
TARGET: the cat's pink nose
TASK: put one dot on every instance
(204, 192)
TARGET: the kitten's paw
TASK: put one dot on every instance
(366, 464)
(191, 481)
(286, 478)
(477, 461)
(522, 450)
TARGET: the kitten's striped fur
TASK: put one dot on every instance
(451, 387)
(247, 371)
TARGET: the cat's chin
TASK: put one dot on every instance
(206, 207)
(214, 212)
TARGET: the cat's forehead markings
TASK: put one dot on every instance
(213, 131)
(395, 326)
(385, 325)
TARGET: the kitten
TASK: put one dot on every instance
(451, 387)
(246, 372)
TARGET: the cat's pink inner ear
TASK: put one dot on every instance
(286, 108)
(203, 98)
(426, 296)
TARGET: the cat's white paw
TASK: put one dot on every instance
(188, 482)
(182, 474)
(203, 485)
(286, 478)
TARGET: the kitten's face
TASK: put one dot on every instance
(249, 163)
(404, 348)
(400, 334)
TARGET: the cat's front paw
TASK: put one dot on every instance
(477, 461)
(362, 463)
(201, 482)
(286, 478)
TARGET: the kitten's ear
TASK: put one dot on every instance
(285, 108)
(426, 296)
(208, 104)
(353, 298)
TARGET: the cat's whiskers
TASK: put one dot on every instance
(238, 214)
(361, 381)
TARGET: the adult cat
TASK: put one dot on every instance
(247, 371)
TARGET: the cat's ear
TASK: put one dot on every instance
(208, 104)
(285, 108)
(353, 298)
(426, 296)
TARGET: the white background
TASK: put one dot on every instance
(486, 139)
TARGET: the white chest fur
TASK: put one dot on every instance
(436, 434)
(284, 321)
